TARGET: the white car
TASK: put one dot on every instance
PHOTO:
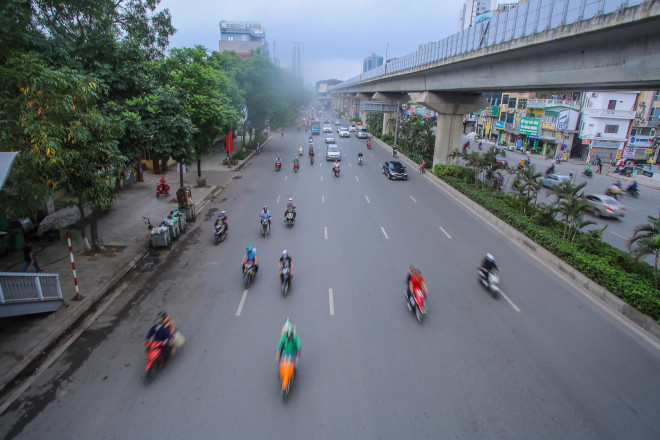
(343, 132)
(332, 152)
(327, 128)
(352, 128)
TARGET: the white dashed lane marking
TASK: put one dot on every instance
(240, 306)
(384, 233)
(322, 199)
(356, 178)
(331, 299)
(368, 201)
(278, 199)
(325, 232)
(445, 232)
(413, 199)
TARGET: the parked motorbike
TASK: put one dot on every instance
(416, 303)
(278, 166)
(290, 220)
(490, 282)
(264, 227)
(285, 277)
(287, 366)
(248, 273)
(162, 190)
(220, 232)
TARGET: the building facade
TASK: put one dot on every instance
(244, 38)
(297, 60)
(643, 138)
(471, 10)
(371, 62)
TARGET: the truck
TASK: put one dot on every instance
(316, 127)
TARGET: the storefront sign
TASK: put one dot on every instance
(499, 125)
(628, 153)
(562, 121)
(530, 126)
(641, 141)
(547, 126)
(586, 141)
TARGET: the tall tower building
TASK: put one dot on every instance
(473, 8)
(371, 62)
(297, 60)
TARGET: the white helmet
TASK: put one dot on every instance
(290, 199)
(284, 253)
(490, 257)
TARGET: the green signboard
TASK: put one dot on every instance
(530, 126)
(499, 125)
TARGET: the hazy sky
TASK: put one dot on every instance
(336, 34)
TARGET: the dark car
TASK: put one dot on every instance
(395, 170)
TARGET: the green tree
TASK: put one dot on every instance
(570, 204)
(646, 241)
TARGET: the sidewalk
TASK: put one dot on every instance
(123, 229)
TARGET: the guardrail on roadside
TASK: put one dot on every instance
(27, 293)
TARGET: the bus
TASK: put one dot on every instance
(316, 127)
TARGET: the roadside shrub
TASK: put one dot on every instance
(240, 155)
(606, 265)
(388, 138)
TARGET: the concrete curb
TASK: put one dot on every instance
(580, 280)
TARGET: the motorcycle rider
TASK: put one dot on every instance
(285, 261)
(296, 162)
(311, 156)
(488, 264)
(222, 218)
(550, 170)
(289, 344)
(250, 257)
(265, 215)
(394, 151)
(633, 188)
(278, 162)
(163, 184)
(161, 331)
(589, 171)
(360, 156)
(416, 282)
(290, 207)
(335, 167)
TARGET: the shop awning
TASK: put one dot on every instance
(6, 160)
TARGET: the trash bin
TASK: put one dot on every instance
(160, 237)
(180, 217)
(173, 226)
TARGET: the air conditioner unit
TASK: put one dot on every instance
(594, 94)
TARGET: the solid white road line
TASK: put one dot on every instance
(443, 230)
(240, 306)
(325, 232)
(384, 233)
(356, 178)
(278, 199)
(413, 199)
(509, 301)
(625, 238)
(331, 298)
(322, 198)
(368, 201)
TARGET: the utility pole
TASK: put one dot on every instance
(387, 47)
(396, 123)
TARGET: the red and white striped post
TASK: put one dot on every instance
(78, 297)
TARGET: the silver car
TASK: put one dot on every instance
(333, 153)
(552, 180)
(605, 206)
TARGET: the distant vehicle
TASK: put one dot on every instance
(552, 180)
(362, 132)
(605, 206)
(352, 128)
(327, 128)
(333, 153)
(343, 132)
(502, 161)
(329, 138)
(337, 122)
(395, 170)
(315, 126)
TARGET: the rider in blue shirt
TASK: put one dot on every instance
(251, 257)
(265, 215)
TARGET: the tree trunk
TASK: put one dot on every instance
(97, 245)
(199, 168)
(181, 165)
(83, 227)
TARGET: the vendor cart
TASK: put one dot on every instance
(186, 204)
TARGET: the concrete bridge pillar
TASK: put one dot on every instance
(387, 126)
(451, 109)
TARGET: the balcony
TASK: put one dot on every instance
(545, 103)
(611, 114)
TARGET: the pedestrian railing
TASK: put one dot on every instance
(26, 293)
(526, 19)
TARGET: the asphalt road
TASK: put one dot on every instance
(545, 362)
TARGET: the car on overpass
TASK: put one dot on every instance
(395, 170)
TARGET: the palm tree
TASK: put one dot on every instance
(528, 178)
(454, 155)
(646, 241)
(570, 204)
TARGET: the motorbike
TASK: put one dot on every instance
(503, 152)
(300, 151)
(490, 282)
(287, 367)
(278, 165)
(162, 190)
(369, 145)
(416, 303)
(264, 227)
(248, 273)
(588, 173)
(614, 191)
(311, 159)
(220, 232)
(290, 220)
(360, 160)
(632, 192)
(394, 152)
(285, 277)
(154, 355)
(296, 167)
(311, 139)
(336, 171)
(550, 170)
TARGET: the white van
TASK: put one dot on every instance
(362, 132)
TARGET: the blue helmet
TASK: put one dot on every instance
(249, 249)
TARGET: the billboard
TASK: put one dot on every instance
(530, 126)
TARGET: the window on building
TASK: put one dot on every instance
(522, 103)
(230, 38)
(510, 117)
(512, 102)
(505, 99)
(612, 128)
(503, 117)
(655, 114)
(612, 104)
